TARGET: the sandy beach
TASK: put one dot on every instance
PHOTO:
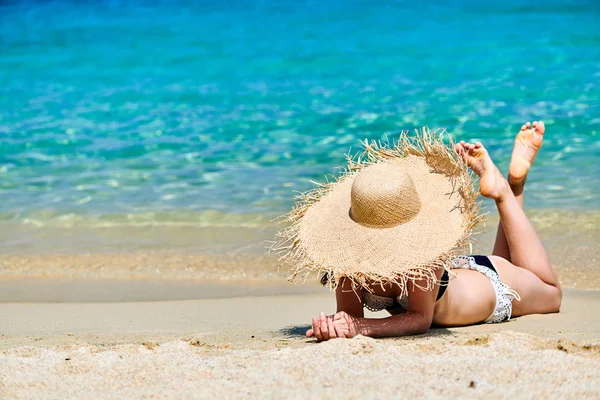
(149, 149)
(255, 346)
(192, 312)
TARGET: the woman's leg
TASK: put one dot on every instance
(527, 144)
(525, 247)
(535, 280)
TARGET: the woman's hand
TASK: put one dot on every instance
(340, 325)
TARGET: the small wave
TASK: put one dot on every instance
(202, 219)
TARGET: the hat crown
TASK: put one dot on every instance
(383, 196)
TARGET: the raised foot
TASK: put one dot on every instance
(491, 182)
(527, 144)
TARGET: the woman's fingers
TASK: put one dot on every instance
(317, 329)
(345, 321)
(339, 330)
(331, 328)
(324, 329)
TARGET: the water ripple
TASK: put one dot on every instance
(104, 111)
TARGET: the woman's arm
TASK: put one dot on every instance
(349, 303)
(349, 299)
(417, 320)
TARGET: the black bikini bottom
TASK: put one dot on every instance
(481, 260)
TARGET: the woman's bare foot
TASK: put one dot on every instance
(491, 182)
(527, 144)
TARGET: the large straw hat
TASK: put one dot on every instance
(395, 214)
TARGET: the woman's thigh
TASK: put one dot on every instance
(536, 296)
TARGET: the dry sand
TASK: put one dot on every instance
(247, 347)
(503, 365)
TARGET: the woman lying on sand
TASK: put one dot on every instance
(517, 279)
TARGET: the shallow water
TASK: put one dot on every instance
(213, 113)
(159, 139)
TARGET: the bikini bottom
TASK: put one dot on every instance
(482, 264)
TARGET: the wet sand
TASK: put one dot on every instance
(79, 290)
(238, 253)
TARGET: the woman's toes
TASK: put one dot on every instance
(523, 127)
(528, 125)
(540, 127)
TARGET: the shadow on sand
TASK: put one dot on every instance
(294, 331)
(298, 331)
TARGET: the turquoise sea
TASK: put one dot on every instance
(204, 112)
